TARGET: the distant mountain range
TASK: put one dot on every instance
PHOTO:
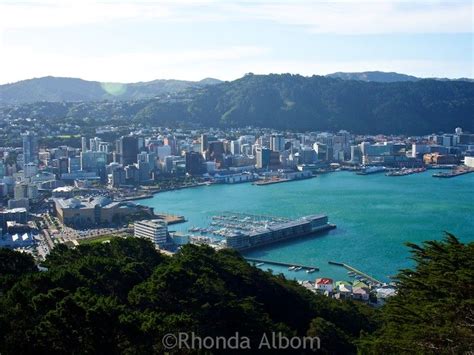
(58, 89)
(385, 77)
(55, 89)
(286, 101)
(378, 76)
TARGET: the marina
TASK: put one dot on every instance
(353, 272)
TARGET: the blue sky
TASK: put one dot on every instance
(130, 41)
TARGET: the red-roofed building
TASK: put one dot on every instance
(324, 284)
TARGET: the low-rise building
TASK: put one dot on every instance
(155, 230)
(324, 284)
(92, 211)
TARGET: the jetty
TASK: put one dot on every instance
(279, 263)
(356, 271)
(170, 218)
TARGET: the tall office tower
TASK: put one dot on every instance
(83, 144)
(194, 163)
(277, 143)
(30, 148)
(263, 156)
(203, 143)
(235, 147)
(171, 141)
(128, 149)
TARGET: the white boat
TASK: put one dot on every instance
(259, 264)
(310, 271)
(291, 268)
(298, 268)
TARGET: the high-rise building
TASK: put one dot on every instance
(127, 147)
(194, 163)
(93, 161)
(118, 177)
(84, 144)
(30, 148)
(277, 143)
(155, 230)
(74, 164)
(204, 143)
(263, 156)
(235, 147)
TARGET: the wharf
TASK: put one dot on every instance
(170, 218)
(453, 173)
(358, 272)
(270, 182)
(279, 263)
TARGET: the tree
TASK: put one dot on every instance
(433, 311)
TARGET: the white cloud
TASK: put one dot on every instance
(127, 67)
(337, 16)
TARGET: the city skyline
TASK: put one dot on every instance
(196, 39)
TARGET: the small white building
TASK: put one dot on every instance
(469, 161)
(155, 230)
(324, 284)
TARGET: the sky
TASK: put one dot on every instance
(143, 40)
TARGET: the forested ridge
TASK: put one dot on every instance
(285, 101)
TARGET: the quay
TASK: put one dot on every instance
(279, 263)
(270, 182)
(358, 272)
(453, 173)
(170, 218)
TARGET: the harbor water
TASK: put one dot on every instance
(375, 215)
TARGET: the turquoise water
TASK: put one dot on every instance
(374, 214)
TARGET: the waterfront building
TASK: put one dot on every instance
(155, 230)
(324, 284)
(436, 159)
(469, 161)
(194, 163)
(88, 212)
(263, 156)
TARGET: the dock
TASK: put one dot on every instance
(279, 263)
(356, 271)
(453, 173)
(170, 218)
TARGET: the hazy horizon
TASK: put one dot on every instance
(208, 77)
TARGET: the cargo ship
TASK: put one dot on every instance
(278, 232)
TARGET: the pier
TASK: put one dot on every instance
(170, 218)
(279, 263)
(356, 271)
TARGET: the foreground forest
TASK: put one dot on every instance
(123, 296)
